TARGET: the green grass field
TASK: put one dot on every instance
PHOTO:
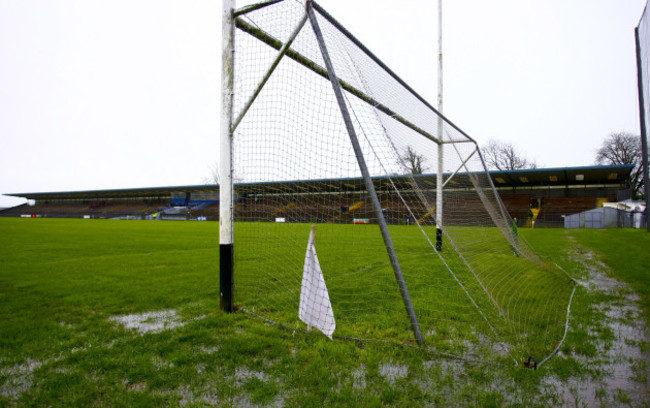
(77, 329)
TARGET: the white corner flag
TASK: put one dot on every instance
(315, 307)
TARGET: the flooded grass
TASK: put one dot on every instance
(73, 334)
(150, 322)
(610, 355)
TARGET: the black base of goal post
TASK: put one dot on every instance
(366, 176)
(226, 281)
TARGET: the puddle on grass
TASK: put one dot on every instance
(160, 363)
(243, 374)
(624, 367)
(19, 379)
(209, 349)
(393, 372)
(206, 396)
(242, 399)
(202, 396)
(475, 348)
(150, 322)
(134, 387)
(359, 378)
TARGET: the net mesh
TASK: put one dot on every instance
(486, 292)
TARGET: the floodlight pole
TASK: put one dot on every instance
(441, 146)
(388, 242)
(644, 130)
(226, 281)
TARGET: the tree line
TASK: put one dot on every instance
(616, 149)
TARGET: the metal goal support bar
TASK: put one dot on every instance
(388, 242)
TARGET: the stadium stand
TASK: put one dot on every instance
(83, 209)
(552, 193)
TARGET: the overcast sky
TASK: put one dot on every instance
(119, 94)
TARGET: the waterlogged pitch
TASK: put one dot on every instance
(98, 312)
(111, 267)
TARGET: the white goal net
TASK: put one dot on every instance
(377, 206)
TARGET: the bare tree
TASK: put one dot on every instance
(413, 161)
(624, 148)
(213, 178)
(504, 156)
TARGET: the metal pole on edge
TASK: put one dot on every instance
(441, 147)
(644, 131)
(226, 281)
